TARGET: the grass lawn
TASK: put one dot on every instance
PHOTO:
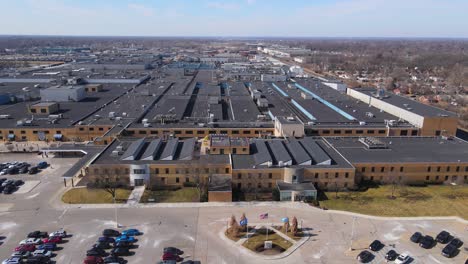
(296, 237)
(259, 238)
(187, 194)
(94, 196)
(433, 200)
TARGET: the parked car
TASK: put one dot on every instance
(23, 254)
(120, 251)
(365, 256)
(59, 233)
(48, 246)
(42, 165)
(449, 251)
(18, 183)
(376, 245)
(391, 255)
(456, 242)
(42, 252)
(24, 170)
(403, 259)
(33, 241)
(27, 247)
(8, 182)
(110, 233)
(12, 260)
(96, 252)
(102, 245)
(53, 239)
(114, 259)
(427, 242)
(38, 234)
(173, 251)
(106, 239)
(93, 260)
(126, 238)
(443, 237)
(131, 232)
(9, 189)
(416, 237)
(33, 170)
(124, 244)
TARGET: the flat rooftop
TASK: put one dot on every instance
(403, 150)
(406, 103)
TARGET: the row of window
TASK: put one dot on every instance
(447, 169)
(428, 178)
(382, 169)
(92, 128)
(34, 132)
(198, 132)
(166, 171)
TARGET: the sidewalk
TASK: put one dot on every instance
(135, 196)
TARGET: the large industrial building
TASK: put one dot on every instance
(187, 123)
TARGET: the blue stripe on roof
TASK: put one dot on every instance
(279, 90)
(325, 102)
(302, 109)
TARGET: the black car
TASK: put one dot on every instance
(38, 234)
(427, 242)
(37, 260)
(106, 239)
(2, 188)
(110, 233)
(102, 245)
(365, 256)
(98, 252)
(449, 251)
(120, 251)
(443, 237)
(391, 255)
(114, 259)
(24, 169)
(123, 244)
(9, 189)
(416, 237)
(18, 183)
(173, 251)
(376, 245)
(2, 180)
(13, 170)
(33, 170)
(456, 242)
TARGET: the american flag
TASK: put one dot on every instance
(264, 216)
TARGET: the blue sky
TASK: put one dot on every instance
(288, 18)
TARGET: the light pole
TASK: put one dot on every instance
(352, 234)
(115, 213)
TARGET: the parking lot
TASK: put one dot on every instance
(197, 230)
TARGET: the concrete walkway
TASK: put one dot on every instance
(135, 196)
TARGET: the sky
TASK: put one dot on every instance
(278, 18)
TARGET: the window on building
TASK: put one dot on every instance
(348, 131)
(325, 131)
(337, 131)
(177, 132)
(33, 110)
(438, 169)
(429, 169)
(372, 178)
(446, 177)
(235, 132)
(359, 131)
(23, 132)
(437, 177)
(370, 131)
(457, 169)
(337, 174)
(437, 133)
(189, 132)
(138, 171)
(403, 132)
(239, 176)
(91, 129)
(246, 132)
(401, 169)
(270, 175)
(427, 178)
(381, 131)
(316, 175)
(101, 129)
(163, 179)
(382, 169)
(200, 132)
(226, 170)
(392, 168)
(167, 170)
(326, 175)
(346, 175)
(414, 132)
(43, 110)
(177, 179)
(373, 169)
(448, 168)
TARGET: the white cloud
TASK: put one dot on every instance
(144, 10)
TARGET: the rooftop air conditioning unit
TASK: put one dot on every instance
(281, 163)
(362, 123)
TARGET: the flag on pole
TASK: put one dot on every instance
(264, 216)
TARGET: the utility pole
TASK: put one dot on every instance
(352, 234)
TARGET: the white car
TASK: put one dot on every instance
(59, 233)
(402, 259)
(34, 241)
(42, 252)
(12, 260)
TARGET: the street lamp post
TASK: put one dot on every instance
(115, 213)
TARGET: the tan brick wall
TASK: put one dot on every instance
(219, 196)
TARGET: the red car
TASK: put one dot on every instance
(54, 239)
(26, 247)
(169, 256)
(93, 260)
